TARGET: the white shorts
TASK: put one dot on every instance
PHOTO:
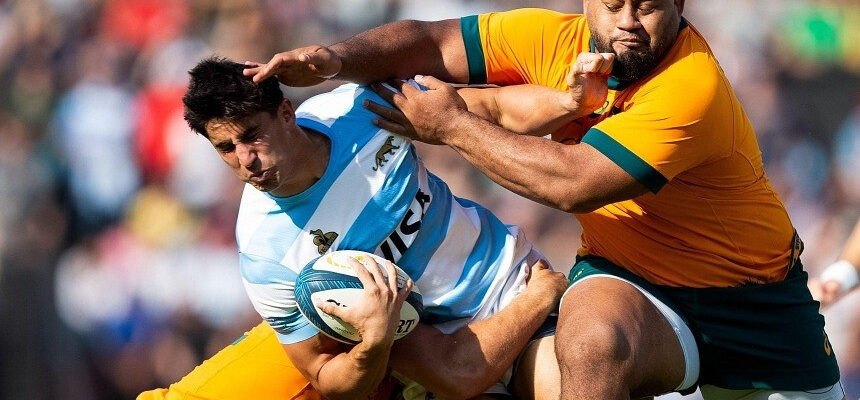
(682, 332)
(691, 361)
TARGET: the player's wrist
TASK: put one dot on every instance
(843, 272)
(539, 297)
(457, 127)
(337, 61)
(372, 348)
(568, 103)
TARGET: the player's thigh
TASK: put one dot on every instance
(255, 366)
(833, 392)
(610, 335)
(537, 376)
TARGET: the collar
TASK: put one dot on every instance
(613, 82)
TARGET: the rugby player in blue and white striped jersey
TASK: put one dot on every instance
(322, 177)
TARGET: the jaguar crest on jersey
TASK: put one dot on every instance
(387, 148)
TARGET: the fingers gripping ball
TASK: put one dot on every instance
(331, 279)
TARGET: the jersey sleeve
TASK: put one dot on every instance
(669, 129)
(527, 45)
(270, 286)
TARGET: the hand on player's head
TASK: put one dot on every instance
(543, 279)
(377, 314)
(305, 66)
(423, 115)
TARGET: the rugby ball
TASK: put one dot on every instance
(332, 279)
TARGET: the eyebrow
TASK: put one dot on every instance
(249, 131)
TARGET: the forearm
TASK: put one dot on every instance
(403, 49)
(354, 374)
(536, 168)
(465, 363)
(527, 109)
(500, 339)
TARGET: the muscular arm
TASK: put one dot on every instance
(337, 371)
(460, 365)
(466, 362)
(402, 49)
(573, 178)
(527, 109)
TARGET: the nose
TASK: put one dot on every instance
(628, 20)
(246, 154)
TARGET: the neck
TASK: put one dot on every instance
(322, 151)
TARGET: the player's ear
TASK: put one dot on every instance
(287, 110)
(680, 5)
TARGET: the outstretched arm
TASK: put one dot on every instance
(538, 110)
(457, 365)
(468, 361)
(395, 50)
(527, 109)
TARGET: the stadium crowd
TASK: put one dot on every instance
(118, 267)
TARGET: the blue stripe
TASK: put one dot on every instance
(479, 271)
(261, 271)
(434, 228)
(305, 332)
(387, 207)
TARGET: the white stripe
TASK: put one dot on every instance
(253, 209)
(346, 198)
(271, 300)
(510, 277)
(326, 108)
(445, 267)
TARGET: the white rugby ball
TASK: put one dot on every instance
(330, 278)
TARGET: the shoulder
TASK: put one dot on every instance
(525, 23)
(689, 83)
(344, 101)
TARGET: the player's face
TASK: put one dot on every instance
(263, 149)
(639, 32)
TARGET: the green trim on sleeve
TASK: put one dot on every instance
(474, 49)
(626, 159)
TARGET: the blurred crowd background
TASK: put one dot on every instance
(118, 267)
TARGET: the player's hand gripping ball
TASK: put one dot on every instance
(333, 279)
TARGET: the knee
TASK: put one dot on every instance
(594, 347)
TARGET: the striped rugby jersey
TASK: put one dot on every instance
(376, 196)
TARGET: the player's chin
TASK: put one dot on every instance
(264, 186)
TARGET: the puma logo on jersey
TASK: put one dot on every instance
(387, 148)
(323, 240)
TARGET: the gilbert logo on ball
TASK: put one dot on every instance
(332, 279)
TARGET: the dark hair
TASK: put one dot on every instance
(219, 90)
